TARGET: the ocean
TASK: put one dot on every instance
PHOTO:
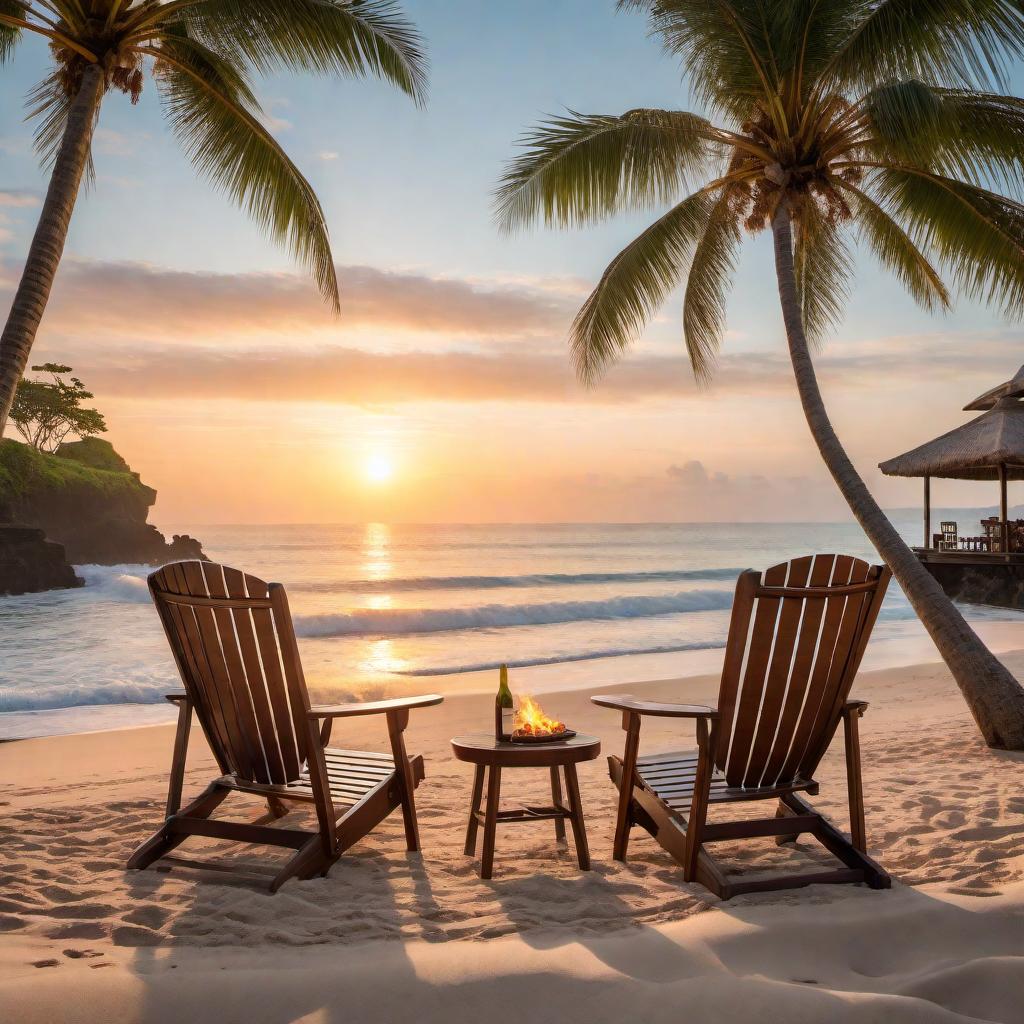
(382, 610)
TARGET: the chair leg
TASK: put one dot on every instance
(277, 807)
(781, 812)
(490, 820)
(397, 721)
(177, 778)
(858, 830)
(623, 818)
(706, 745)
(309, 860)
(164, 841)
(474, 809)
(556, 799)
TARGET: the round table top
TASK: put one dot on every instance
(483, 748)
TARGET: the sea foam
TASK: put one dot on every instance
(402, 621)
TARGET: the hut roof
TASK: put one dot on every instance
(1013, 388)
(971, 452)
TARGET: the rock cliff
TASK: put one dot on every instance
(85, 498)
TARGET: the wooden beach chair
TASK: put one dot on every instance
(795, 642)
(232, 639)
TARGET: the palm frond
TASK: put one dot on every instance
(9, 34)
(348, 37)
(824, 270)
(707, 287)
(949, 42)
(725, 47)
(976, 234)
(582, 167)
(811, 32)
(634, 286)
(896, 251)
(49, 106)
(956, 132)
(215, 116)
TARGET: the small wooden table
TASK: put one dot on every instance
(490, 755)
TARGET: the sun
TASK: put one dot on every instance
(378, 469)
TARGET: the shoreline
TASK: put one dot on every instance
(894, 645)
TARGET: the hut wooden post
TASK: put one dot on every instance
(1004, 511)
(927, 511)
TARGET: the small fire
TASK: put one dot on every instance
(530, 720)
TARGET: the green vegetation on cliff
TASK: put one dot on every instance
(87, 498)
(28, 476)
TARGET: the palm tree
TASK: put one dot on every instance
(201, 55)
(879, 121)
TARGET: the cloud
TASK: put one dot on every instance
(495, 372)
(354, 376)
(328, 155)
(131, 298)
(716, 496)
(146, 330)
(113, 143)
(18, 198)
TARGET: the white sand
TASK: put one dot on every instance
(392, 937)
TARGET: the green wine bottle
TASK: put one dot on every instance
(504, 713)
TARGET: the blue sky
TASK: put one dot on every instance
(408, 191)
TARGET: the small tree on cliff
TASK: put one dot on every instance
(47, 411)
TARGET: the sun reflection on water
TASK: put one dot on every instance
(377, 564)
(381, 657)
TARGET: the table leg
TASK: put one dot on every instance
(474, 807)
(579, 831)
(490, 819)
(556, 799)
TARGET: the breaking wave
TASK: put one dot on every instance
(555, 579)
(403, 621)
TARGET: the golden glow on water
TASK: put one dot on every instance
(382, 657)
(377, 564)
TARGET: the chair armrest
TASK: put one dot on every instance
(374, 707)
(176, 698)
(855, 707)
(627, 702)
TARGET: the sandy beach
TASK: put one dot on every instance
(391, 936)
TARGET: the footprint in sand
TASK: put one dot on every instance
(82, 930)
(149, 917)
(127, 935)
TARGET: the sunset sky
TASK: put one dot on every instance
(443, 391)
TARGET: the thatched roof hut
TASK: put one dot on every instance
(984, 449)
(990, 447)
(1013, 388)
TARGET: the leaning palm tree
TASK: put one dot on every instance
(876, 121)
(201, 55)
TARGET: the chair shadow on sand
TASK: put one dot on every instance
(804, 954)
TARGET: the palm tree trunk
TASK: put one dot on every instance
(993, 695)
(48, 242)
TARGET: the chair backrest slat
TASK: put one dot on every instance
(759, 651)
(235, 648)
(235, 582)
(803, 664)
(796, 638)
(778, 676)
